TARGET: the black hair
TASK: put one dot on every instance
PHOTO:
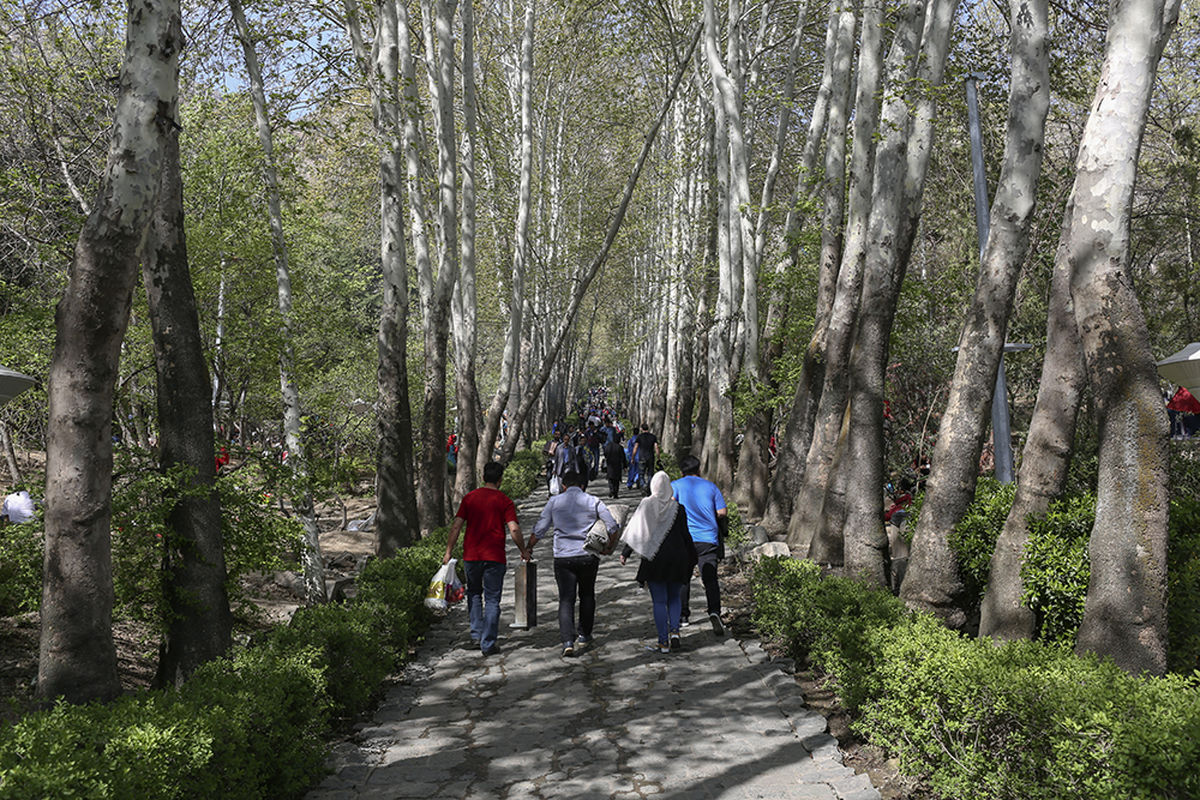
(574, 478)
(689, 465)
(493, 471)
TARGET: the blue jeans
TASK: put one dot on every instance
(485, 581)
(666, 599)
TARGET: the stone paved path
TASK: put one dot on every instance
(716, 720)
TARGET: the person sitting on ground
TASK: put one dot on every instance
(570, 515)
(658, 533)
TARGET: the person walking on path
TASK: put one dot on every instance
(708, 522)
(632, 480)
(658, 533)
(486, 512)
(614, 463)
(645, 452)
(569, 515)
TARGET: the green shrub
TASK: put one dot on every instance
(825, 622)
(1018, 720)
(252, 726)
(1055, 569)
(973, 539)
(354, 648)
(1183, 586)
(21, 567)
(737, 527)
(521, 473)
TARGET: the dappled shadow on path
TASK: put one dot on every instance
(714, 720)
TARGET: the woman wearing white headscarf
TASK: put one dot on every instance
(658, 532)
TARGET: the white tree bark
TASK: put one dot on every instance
(1125, 615)
(314, 569)
(77, 659)
(960, 435)
(509, 367)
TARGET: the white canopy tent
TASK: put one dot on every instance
(1183, 368)
(12, 383)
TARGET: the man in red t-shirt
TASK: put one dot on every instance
(486, 512)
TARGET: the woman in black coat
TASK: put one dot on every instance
(658, 532)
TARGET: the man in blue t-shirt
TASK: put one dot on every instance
(708, 521)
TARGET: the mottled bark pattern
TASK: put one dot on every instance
(200, 624)
(964, 423)
(1125, 613)
(1045, 460)
(77, 657)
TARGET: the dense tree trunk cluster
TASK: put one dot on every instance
(448, 220)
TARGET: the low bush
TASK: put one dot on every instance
(251, 726)
(521, 473)
(973, 539)
(1183, 586)
(1055, 570)
(980, 720)
(20, 568)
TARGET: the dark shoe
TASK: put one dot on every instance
(676, 642)
(582, 643)
(684, 622)
(717, 626)
(494, 650)
(568, 650)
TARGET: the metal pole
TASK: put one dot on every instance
(1001, 431)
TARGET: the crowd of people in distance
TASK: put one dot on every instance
(677, 529)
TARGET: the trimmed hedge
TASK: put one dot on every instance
(980, 720)
(249, 726)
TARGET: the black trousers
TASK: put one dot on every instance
(576, 575)
(706, 556)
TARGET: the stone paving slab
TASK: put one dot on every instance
(716, 720)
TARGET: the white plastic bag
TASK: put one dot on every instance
(555, 485)
(444, 588)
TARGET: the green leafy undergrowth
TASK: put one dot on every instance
(521, 473)
(979, 719)
(973, 539)
(252, 725)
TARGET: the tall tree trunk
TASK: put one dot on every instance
(960, 435)
(436, 292)
(414, 152)
(1125, 615)
(466, 391)
(396, 523)
(314, 568)
(889, 248)
(509, 366)
(77, 658)
(716, 461)
(199, 623)
(876, 185)
(589, 272)
(1046, 458)
(10, 455)
(798, 429)
(826, 545)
